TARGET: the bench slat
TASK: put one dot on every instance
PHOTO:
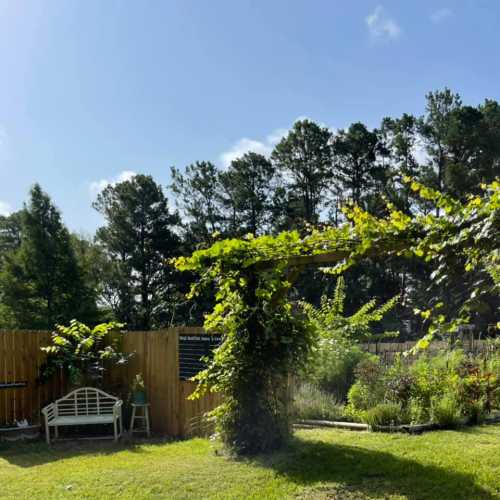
(82, 420)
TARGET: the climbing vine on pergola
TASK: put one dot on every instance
(265, 340)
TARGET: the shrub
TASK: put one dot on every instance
(369, 371)
(477, 391)
(435, 376)
(417, 412)
(385, 414)
(336, 373)
(439, 389)
(311, 403)
(399, 385)
(337, 352)
(445, 410)
(362, 396)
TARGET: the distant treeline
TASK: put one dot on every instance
(49, 275)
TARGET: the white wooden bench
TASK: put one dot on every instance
(85, 406)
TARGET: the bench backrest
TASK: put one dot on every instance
(86, 401)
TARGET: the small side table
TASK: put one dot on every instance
(144, 416)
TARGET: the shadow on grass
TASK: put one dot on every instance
(39, 453)
(325, 470)
(338, 471)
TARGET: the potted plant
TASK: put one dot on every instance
(138, 390)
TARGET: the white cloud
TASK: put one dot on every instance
(263, 147)
(441, 15)
(5, 208)
(276, 135)
(244, 146)
(420, 153)
(381, 26)
(96, 187)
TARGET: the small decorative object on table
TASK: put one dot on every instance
(138, 390)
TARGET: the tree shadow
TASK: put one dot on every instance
(325, 470)
(36, 453)
(338, 471)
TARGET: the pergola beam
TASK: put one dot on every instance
(381, 248)
(305, 260)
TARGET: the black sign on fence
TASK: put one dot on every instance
(192, 348)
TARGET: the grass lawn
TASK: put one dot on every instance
(317, 464)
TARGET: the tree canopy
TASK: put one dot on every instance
(298, 181)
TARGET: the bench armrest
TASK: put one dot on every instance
(117, 408)
(49, 411)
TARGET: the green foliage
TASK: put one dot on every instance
(442, 389)
(198, 192)
(41, 281)
(138, 238)
(384, 414)
(478, 390)
(312, 403)
(247, 187)
(264, 339)
(445, 410)
(10, 234)
(83, 352)
(355, 151)
(337, 353)
(436, 378)
(304, 157)
(333, 324)
(333, 369)
(368, 390)
(263, 342)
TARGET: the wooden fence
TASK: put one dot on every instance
(21, 397)
(156, 358)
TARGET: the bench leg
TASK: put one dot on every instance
(146, 411)
(47, 431)
(56, 432)
(115, 425)
(132, 421)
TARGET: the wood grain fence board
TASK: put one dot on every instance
(20, 360)
(156, 358)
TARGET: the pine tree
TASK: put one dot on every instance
(304, 159)
(247, 193)
(139, 237)
(355, 154)
(41, 283)
(198, 192)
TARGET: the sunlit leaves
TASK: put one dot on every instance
(265, 338)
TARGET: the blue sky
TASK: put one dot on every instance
(92, 91)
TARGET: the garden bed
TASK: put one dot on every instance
(408, 428)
